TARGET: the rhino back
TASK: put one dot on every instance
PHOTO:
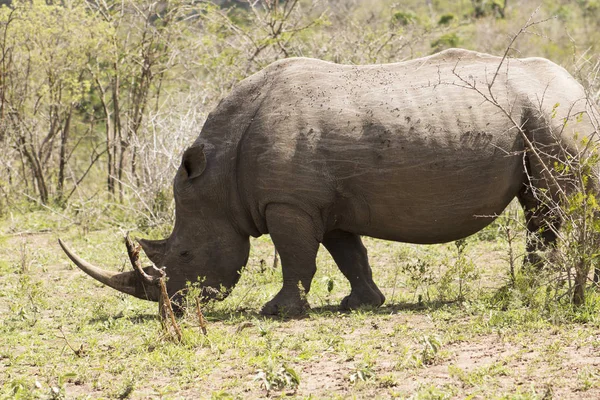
(406, 151)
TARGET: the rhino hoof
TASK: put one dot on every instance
(285, 309)
(354, 300)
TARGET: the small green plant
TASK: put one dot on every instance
(574, 253)
(329, 283)
(478, 376)
(56, 393)
(529, 393)
(430, 346)
(387, 381)
(27, 306)
(362, 373)
(221, 395)
(125, 391)
(421, 276)
(277, 378)
(587, 379)
(432, 392)
(460, 270)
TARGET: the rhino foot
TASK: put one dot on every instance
(366, 298)
(285, 306)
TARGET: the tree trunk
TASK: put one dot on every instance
(117, 138)
(37, 171)
(581, 276)
(63, 154)
(110, 183)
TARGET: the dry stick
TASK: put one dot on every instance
(134, 253)
(50, 209)
(78, 352)
(201, 319)
(492, 99)
(530, 146)
(166, 309)
(84, 175)
(523, 29)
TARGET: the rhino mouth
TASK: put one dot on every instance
(139, 283)
(209, 293)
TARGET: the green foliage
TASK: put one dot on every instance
(432, 392)
(459, 275)
(484, 8)
(277, 378)
(589, 6)
(446, 19)
(404, 17)
(46, 84)
(522, 291)
(362, 373)
(430, 349)
(588, 379)
(420, 276)
(576, 251)
(446, 41)
(451, 280)
(564, 12)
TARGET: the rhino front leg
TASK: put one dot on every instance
(351, 257)
(297, 241)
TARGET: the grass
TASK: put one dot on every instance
(65, 336)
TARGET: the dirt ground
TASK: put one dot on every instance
(402, 350)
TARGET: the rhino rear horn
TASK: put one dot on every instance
(124, 282)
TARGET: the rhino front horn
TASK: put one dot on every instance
(125, 282)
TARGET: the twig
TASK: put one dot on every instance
(167, 310)
(50, 209)
(201, 319)
(79, 352)
(76, 185)
(528, 143)
(523, 29)
(165, 307)
(134, 252)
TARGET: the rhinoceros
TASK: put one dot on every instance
(311, 152)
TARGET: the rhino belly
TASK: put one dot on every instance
(440, 200)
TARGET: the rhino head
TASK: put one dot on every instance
(205, 246)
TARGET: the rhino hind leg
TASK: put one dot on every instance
(350, 255)
(297, 241)
(541, 226)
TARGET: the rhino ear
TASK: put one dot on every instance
(154, 249)
(194, 161)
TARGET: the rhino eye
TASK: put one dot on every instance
(184, 253)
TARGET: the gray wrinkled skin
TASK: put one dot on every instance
(313, 153)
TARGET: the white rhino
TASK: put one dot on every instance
(311, 152)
